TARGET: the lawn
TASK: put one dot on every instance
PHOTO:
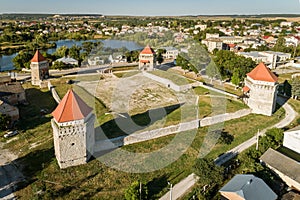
(175, 78)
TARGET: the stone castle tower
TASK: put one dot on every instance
(73, 131)
(261, 90)
(147, 59)
(39, 69)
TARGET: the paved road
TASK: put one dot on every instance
(185, 185)
(181, 188)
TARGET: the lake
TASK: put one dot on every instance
(6, 63)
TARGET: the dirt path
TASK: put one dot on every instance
(9, 174)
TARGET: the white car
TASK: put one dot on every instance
(11, 133)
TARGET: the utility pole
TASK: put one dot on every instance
(257, 138)
(170, 190)
(140, 190)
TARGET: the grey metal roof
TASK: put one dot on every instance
(249, 187)
(282, 163)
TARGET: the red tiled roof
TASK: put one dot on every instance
(246, 89)
(262, 73)
(38, 57)
(266, 37)
(71, 108)
(148, 50)
(144, 61)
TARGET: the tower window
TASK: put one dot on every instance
(72, 144)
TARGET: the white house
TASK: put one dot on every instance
(291, 139)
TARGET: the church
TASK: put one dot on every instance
(260, 90)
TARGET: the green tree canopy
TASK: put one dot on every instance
(22, 60)
(209, 173)
(134, 191)
(295, 83)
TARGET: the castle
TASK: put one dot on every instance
(73, 131)
(260, 90)
(147, 59)
(39, 69)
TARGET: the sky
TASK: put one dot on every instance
(152, 7)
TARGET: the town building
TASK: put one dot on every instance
(67, 61)
(285, 167)
(9, 110)
(39, 69)
(260, 90)
(171, 52)
(212, 44)
(11, 94)
(270, 58)
(247, 187)
(291, 139)
(231, 39)
(147, 59)
(73, 131)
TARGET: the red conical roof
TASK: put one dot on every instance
(71, 108)
(262, 73)
(148, 50)
(38, 57)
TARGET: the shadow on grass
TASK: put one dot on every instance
(29, 165)
(132, 124)
(155, 186)
(31, 115)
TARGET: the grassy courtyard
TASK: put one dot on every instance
(95, 180)
(47, 181)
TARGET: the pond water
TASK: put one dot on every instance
(7, 64)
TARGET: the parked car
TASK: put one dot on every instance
(11, 133)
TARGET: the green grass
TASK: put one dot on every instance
(125, 74)
(210, 106)
(175, 78)
(292, 154)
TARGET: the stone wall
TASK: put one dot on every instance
(144, 136)
(224, 117)
(53, 92)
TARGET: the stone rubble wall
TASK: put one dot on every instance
(145, 136)
(53, 92)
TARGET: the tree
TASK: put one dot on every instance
(133, 192)
(61, 51)
(4, 121)
(22, 60)
(235, 79)
(160, 58)
(209, 173)
(211, 70)
(74, 52)
(295, 83)
(272, 139)
(280, 45)
(226, 138)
